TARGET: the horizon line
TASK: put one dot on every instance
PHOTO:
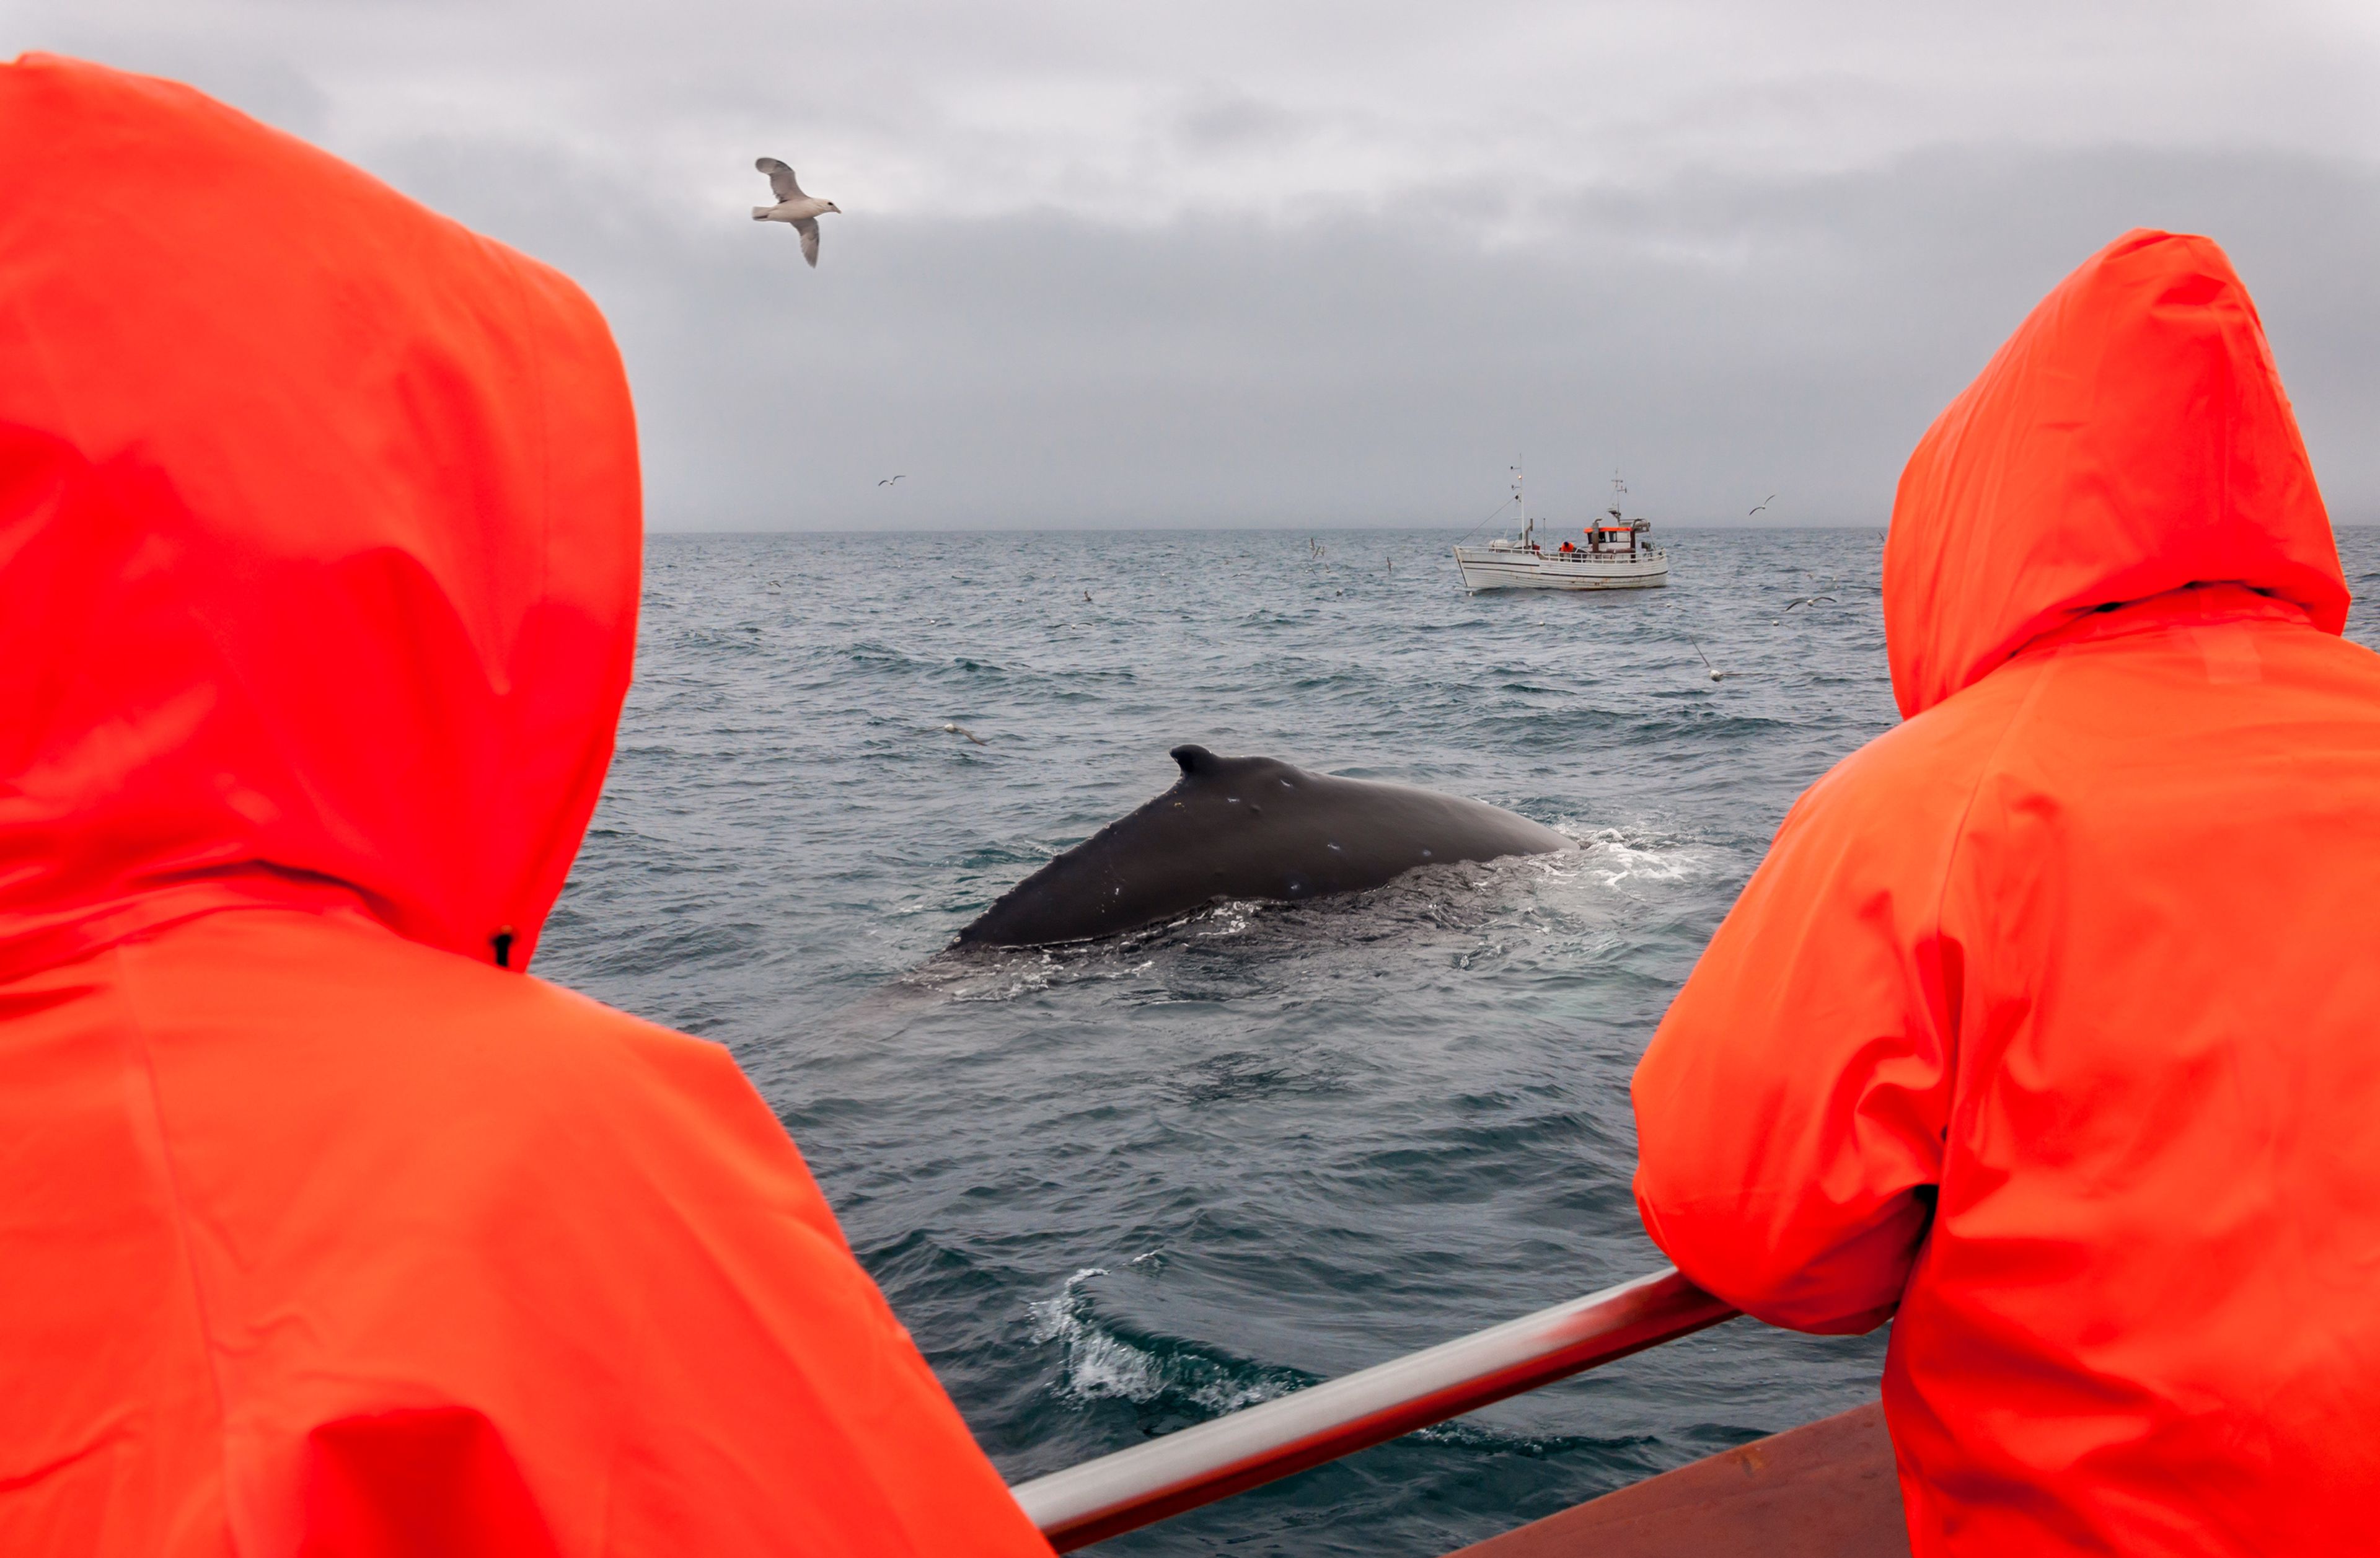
(654, 532)
(1180, 529)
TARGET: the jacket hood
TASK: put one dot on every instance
(319, 536)
(2131, 438)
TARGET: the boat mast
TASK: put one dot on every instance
(1528, 525)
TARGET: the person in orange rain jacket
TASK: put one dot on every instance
(2051, 1022)
(325, 1229)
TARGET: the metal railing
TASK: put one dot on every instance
(1197, 1465)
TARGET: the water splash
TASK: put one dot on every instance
(1099, 1362)
(1618, 854)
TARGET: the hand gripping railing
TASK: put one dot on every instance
(1197, 1465)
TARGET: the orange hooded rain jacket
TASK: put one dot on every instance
(2052, 1019)
(323, 1231)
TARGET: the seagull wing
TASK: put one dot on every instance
(1701, 656)
(781, 178)
(807, 227)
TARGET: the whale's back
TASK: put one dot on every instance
(1247, 827)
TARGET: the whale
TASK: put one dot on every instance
(1247, 828)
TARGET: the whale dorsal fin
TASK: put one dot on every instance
(1196, 761)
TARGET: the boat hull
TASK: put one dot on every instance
(1824, 1490)
(1483, 568)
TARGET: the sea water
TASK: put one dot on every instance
(1119, 1189)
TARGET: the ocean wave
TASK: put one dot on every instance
(1100, 1362)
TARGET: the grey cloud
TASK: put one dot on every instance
(1328, 264)
(1224, 119)
(1072, 103)
(1717, 338)
(255, 78)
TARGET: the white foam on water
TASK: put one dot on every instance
(1613, 856)
(1097, 1365)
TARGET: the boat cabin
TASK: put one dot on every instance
(1614, 535)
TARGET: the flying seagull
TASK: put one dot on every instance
(802, 211)
(1808, 601)
(1762, 503)
(890, 480)
(962, 730)
(1715, 671)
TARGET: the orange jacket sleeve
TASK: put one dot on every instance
(1790, 1108)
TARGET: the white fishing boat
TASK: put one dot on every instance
(1618, 554)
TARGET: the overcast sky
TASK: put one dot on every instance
(1332, 264)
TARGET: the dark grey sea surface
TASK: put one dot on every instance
(1116, 1190)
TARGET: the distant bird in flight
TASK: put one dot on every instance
(890, 480)
(802, 211)
(1808, 601)
(962, 730)
(1716, 672)
(1762, 503)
